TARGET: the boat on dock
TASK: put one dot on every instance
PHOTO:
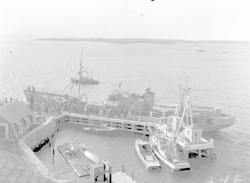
(79, 157)
(146, 155)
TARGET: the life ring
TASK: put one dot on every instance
(132, 107)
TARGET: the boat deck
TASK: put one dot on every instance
(77, 160)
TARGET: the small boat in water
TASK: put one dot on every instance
(146, 155)
(102, 130)
(85, 81)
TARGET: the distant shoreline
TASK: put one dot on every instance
(139, 40)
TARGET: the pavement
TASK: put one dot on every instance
(13, 168)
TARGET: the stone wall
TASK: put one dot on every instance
(33, 139)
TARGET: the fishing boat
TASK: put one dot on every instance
(85, 81)
(146, 155)
(163, 149)
(84, 78)
(187, 136)
(104, 130)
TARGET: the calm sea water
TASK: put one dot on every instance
(218, 77)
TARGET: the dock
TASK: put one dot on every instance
(81, 160)
(136, 127)
(76, 159)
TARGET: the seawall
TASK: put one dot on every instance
(33, 139)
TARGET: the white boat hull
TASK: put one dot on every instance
(148, 159)
(101, 131)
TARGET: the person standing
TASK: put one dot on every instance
(52, 145)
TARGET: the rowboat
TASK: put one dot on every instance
(104, 130)
(146, 155)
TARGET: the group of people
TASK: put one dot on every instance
(30, 88)
(51, 144)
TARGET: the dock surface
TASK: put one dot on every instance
(77, 160)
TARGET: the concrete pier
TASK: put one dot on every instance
(135, 127)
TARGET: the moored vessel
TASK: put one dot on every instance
(103, 130)
(85, 81)
(163, 149)
(84, 78)
(187, 135)
(146, 155)
(144, 108)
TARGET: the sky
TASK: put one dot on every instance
(158, 19)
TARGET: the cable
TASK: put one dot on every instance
(167, 93)
(67, 86)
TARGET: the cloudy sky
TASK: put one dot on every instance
(159, 19)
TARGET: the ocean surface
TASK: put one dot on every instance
(218, 76)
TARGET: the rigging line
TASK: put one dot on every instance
(65, 88)
(71, 88)
(167, 93)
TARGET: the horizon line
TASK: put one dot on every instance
(35, 37)
(142, 39)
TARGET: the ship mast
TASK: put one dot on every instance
(79, 89)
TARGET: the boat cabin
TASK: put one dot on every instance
(131, 102)
(193, 133)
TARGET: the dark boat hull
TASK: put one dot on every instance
(85, 81)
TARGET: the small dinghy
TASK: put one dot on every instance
(105, 130)
(146, 155)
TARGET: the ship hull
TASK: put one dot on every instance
(215, 124)
(41, 96)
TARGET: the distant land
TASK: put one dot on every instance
(140, 40)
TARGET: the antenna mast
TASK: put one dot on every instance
(80, 78)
